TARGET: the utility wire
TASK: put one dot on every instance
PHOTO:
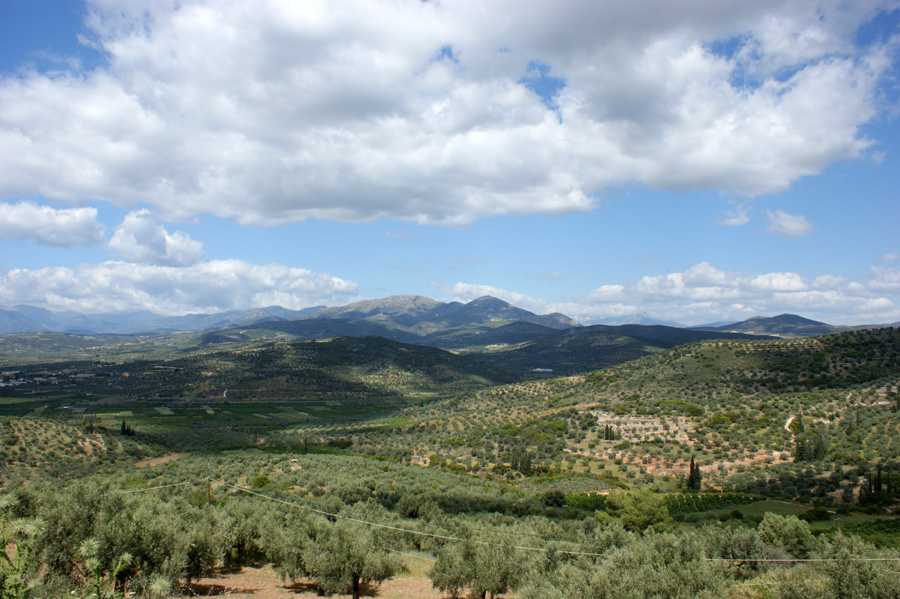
(809, 559)
(406, 530)
(450, 538)
(413, 555)
(187, 482)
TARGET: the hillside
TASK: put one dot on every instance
(32, 446)
(589, 348)
(725, 402)
(240, 390)
(784, 325)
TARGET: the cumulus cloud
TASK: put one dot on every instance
(207, 287)
(892, 257)
(736, 218)
(788, 225)
(430, 111)
(886, 279)
(704, 293)
(50, 226)
(139, 239)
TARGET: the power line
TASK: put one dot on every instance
(412, 555)
(524, 548)
(809, 559)
(187, 482)
(406, 530)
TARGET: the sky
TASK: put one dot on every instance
(698, 161)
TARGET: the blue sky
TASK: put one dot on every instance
(701, 162)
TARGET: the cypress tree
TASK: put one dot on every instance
(694, 480)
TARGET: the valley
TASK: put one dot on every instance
(538, 471)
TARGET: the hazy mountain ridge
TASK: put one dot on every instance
(783, 325)
(638, 318)
(414, 319)
(424, 314)
(29, 319)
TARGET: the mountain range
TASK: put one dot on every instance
(407, 311)
(407, 318)
(487, 330)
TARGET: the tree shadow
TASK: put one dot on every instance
(302, 587)
(213, 590)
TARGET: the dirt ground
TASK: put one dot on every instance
(264, 583)
(157, 461)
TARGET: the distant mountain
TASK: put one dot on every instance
(637, 318)
(13, 322)
(416, 314)
(404, 309)
(29, 319)
(783, 325)
(414, 319)
(553, 321)
(221, 320)
(425, 315)
(322, 328)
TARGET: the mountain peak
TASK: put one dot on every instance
(488, 300)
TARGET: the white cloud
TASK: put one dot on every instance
(777, 282)
(50, 226)
(892, 257)
(704, 275)
(704, 294)
(886, 280)
(350, 110)
(207, 287)
(788, 225)
(139, 239)
(736, 218)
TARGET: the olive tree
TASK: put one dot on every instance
(346, 554)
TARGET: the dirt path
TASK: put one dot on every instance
(264, 583)
(157, 461)
(787, 425)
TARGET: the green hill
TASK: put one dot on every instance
(727, 402)
(589, 348)
(784, 325)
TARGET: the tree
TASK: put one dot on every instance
(554, 498)
(454, 569)
(484, 568)
(694, 479)
(346, 554)
(788, 532)
(638, 510)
